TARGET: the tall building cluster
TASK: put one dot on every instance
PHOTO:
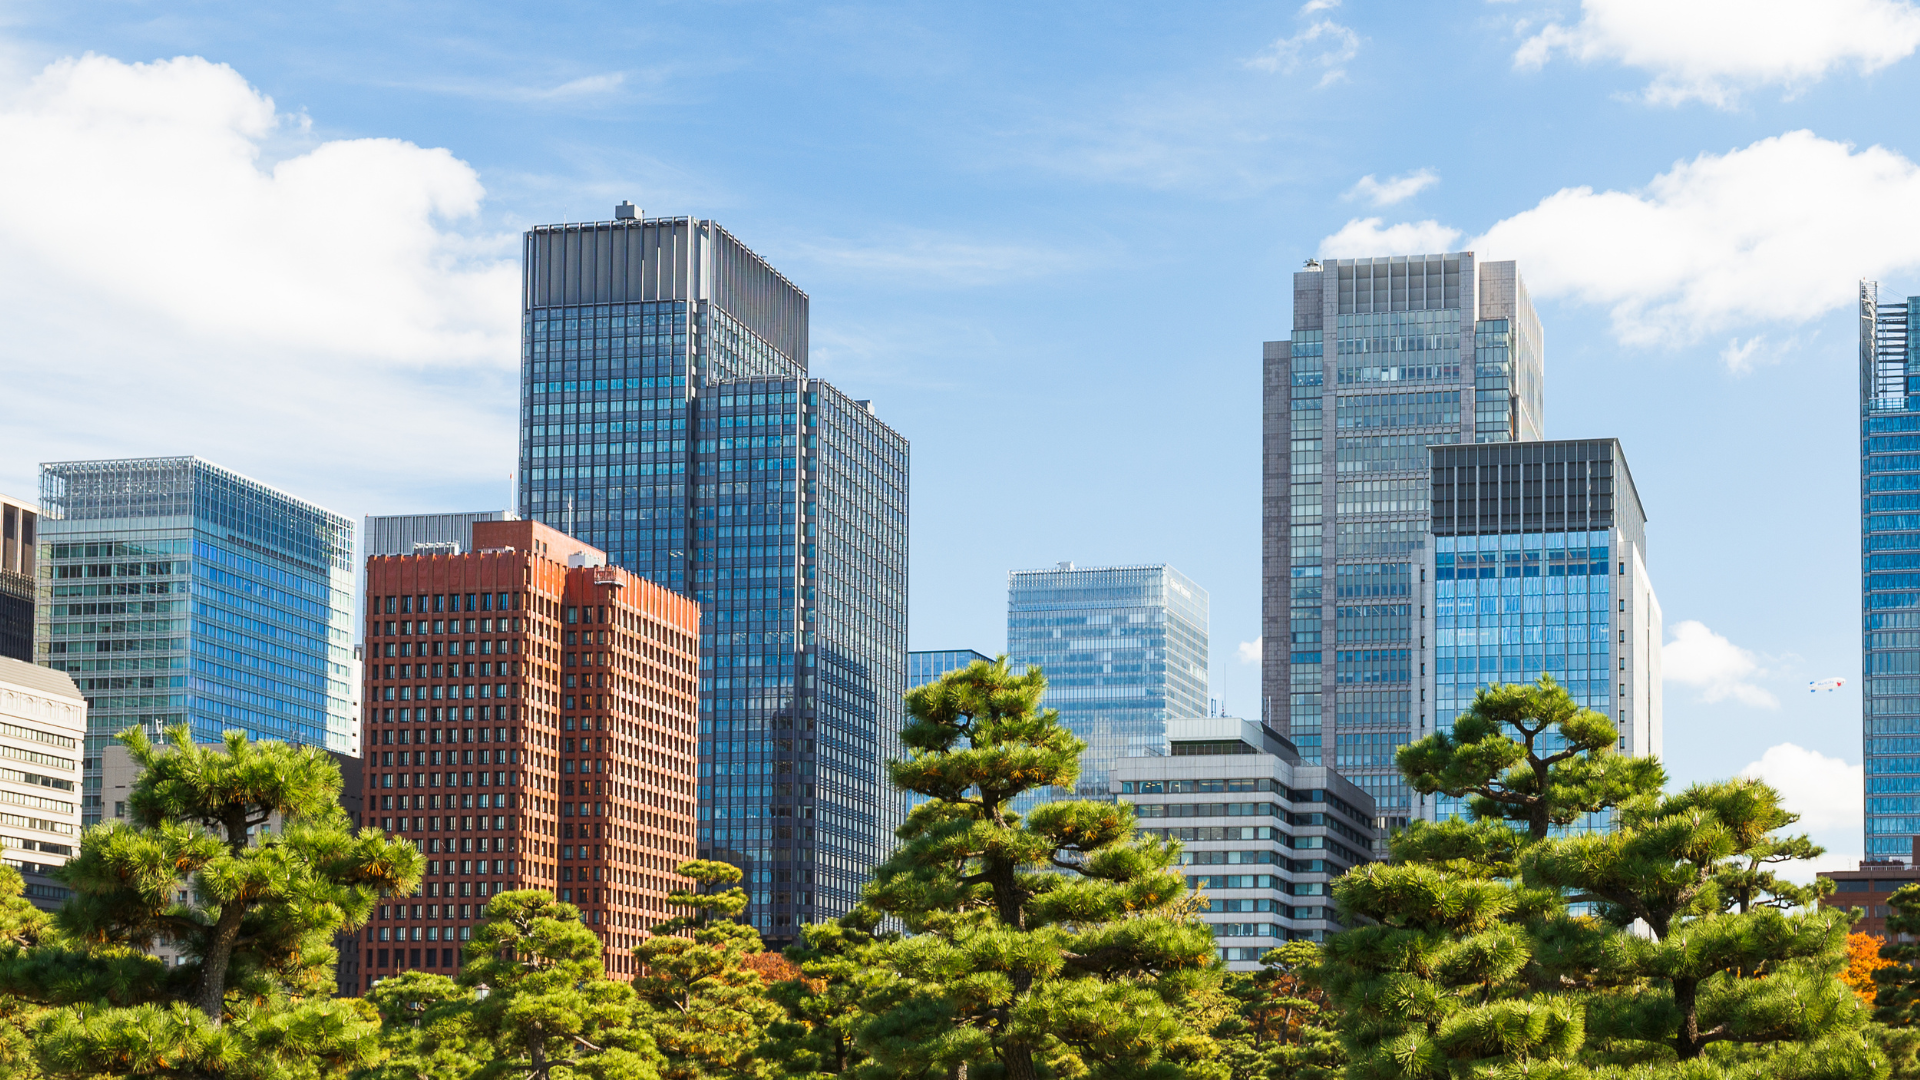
(687, 638)
(667, 417)
(1403, 457)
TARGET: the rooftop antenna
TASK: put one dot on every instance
(569, 515)
(513, 493)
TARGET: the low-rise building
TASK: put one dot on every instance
(1869, 889)
(43, 719)
(1262, 834)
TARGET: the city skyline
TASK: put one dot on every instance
(985, 225)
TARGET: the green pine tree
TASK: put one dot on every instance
(1046, 945)
(1897, 988)
(1284, 1027)
(1432, 980)
(708, 1012)
(21, 926)
(826, 1005)
(254, 998)
(535, 997)
(1721, 977)
(1528, 754)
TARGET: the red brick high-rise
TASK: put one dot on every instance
(531, 722)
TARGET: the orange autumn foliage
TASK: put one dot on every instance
(771, 967)
(1863, 959)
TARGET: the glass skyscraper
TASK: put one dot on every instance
(1124, 649)
(175, 591)
(1426, 350)
(1537, 564)
(1890, 570)
(668, 419)
(926, 665)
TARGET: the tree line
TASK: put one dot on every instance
(1579, 922)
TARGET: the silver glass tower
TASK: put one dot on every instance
(1124, 649)
(1388, 356)
(175, 591)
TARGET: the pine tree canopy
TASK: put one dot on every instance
(256, 926)
(1056, 943)
(1716, 974)
(1528, 754)
(709, 1011)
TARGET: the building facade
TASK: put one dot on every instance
(1262, 834)
(18, 532)
(405, 534)
(574, 691)
(667, 417)
(1890, 571)
(1868, 890)
(43, 721)
(1537, 564)
(930, 665)
(1124, 649)
(178, 592)
(1388, 356)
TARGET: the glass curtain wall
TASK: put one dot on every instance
(1124, 649)
(175, 591)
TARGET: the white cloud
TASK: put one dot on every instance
(1393, 189)
(1713, 50)
(1326, 46)
(1775, 232)
(315, 320)
(1312, 6)
(1826, 792)
(1700, 658)
(1249, 651)
(1365, 236)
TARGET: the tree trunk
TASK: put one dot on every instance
(1019, 1061)
(1686, 997)
(1538, 819)
(212, 994)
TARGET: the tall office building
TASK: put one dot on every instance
(1388, 357)
(668, 418)
(1124, 649)
(176, 591)
(18, 523)
(43, 719)
(1537, 564)
(1890, 570)
(571, 684)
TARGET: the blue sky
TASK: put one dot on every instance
(1048, 240)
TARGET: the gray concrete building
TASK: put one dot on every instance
(1262, 834)
(1387, 357)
